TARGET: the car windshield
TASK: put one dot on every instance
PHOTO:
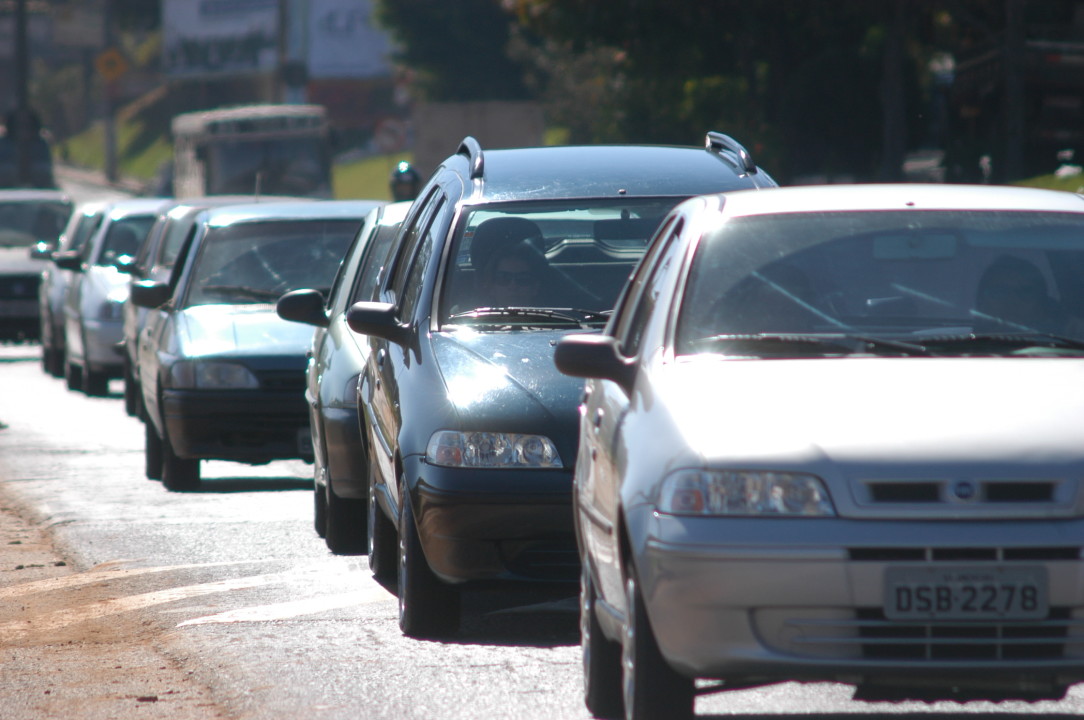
(912, 282)
(25, 222)
(260, 261)
(545, 264)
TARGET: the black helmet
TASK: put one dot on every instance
(405, 181)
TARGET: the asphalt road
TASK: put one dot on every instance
(232, 583)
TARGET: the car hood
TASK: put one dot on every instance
(507, 379)
(16, 261)
(248, 330)
(886, 413)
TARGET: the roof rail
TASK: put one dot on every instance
(473, 150)
(717, 142)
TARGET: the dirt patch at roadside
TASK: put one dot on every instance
(62, 655)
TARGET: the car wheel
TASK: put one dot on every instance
(319, 509)
(152, 452)
(73, 377)
(602, 690)
(345, 526)
(428, 608)
(381, 536)
(131, 391)
(95, 383)
(178, 474)
(652, 689)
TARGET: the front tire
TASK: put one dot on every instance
(73, 377)
(152, 452)
(132, 391)
(95, 383)
(345, 527)
(652, 689)
(178, 474)
(602, 689)
(428, 608)
(381, 537)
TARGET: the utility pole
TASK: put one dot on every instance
(20, 125)
(109, 125)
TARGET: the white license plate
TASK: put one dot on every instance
(971, 592)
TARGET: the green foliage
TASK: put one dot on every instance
(366, 179)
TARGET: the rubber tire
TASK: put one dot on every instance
(178, 474)
(132, 391)
(73, 377)
(652, 689)
(344, 531)
(319, 509)
(152, 452)
(602, 689)
(95, 384)
(428, 608)
(52, 361)
(382, 540)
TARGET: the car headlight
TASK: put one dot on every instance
(202, 375)
(451, 448)
(744, 493)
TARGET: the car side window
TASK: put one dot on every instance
(408, 243)
(643, 293)
(412, 290)
(376, 256)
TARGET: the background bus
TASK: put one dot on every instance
(258, 149)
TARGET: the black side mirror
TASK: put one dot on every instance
(68, 260)
(594, 356)
(149, 294)
(378, 320)
(303, 306)
(41, 251)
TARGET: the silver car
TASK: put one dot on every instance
(834, 434)
(95, 295)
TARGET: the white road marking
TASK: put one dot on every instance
(295, 608)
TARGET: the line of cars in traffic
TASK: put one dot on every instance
(776, 434)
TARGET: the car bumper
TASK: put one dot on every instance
(496, 524)
(805, 600)
(242, 426)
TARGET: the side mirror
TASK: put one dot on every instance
(303, 306)
(41, 251)
(378, 320)
(149, 294)
(68, 260)
(125, 264)
(594, 356)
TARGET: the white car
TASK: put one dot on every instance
(834, 434)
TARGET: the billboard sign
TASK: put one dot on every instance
(344, 40)
(220, 37)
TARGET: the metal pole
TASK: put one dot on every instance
(20, 125)
(109, 86)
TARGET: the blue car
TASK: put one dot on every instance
(222, 376)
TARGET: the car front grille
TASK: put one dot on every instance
(19, 287)
(965, 554)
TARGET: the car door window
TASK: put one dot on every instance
(408, 243)
(640, 299)
(376, 256)
(412, 289)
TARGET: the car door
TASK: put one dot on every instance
(389, 361)
(598, 492)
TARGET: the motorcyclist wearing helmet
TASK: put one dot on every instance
(404, 182)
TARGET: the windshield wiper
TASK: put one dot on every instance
(826, 343)
(243, 291)
(1001, 343)
(581, 318)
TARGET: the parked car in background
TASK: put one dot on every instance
(157, 255)
(96, 291)
(222, 376)
(336, 362)
(471, 430)
(831, 434)
(27, 218)
(83, 223)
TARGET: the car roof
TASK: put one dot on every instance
(292, 210)
(33, 195)
(136, 206)
(901, 196)
(594, 171)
